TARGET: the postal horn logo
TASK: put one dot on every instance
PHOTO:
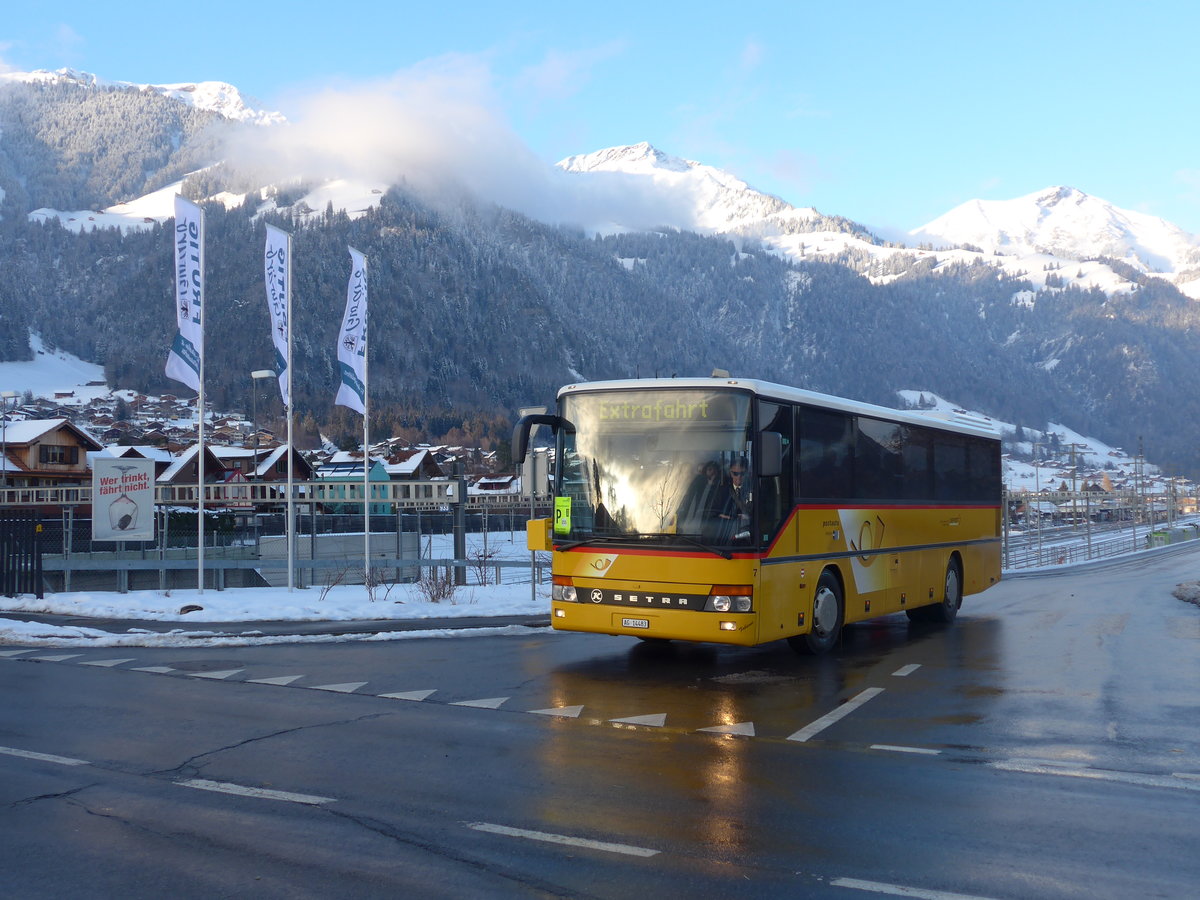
(601, 563)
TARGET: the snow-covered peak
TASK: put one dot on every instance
(1066, 222)
(214, 96)
(720, 201)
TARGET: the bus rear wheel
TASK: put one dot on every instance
(827, 616)
(946, 611)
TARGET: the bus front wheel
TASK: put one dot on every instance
(827, 616)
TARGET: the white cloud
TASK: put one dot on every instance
(436, 128)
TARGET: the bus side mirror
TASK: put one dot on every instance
(525, 426)
(770, 454)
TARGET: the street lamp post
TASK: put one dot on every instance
(5, 396)
(255, 376)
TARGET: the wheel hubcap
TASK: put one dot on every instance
(824, 612)
(951, 588)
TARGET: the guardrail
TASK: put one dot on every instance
(402, 494)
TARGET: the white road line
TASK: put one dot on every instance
(280, 680)
(11, 653)
(1042, 767)
(897, 890)
(44, 757)
(828, 719)
(490, 703)
(905, 671)
(106, 663)
(550, 838)
(1190, 776)
(59, 658)
(415, 696)
(654, 720)
(348, 687)
(742, 728)
(157, 670)
(216, 676)
(224, 787)
(896, 749)
(566, 712)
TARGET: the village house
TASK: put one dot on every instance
(45, 453)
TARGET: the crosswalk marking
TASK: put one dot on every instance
(11, 653)
(60, 658)
(741, 728)
(157, 670)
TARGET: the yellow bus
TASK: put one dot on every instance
(738, 511)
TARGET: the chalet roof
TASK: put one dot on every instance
(34, 429)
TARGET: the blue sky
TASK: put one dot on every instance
(887, 113)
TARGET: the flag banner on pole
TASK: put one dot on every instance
(277, 266)
(352, 342)
(183, 362)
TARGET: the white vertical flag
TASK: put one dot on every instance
(278, 271)
(352, 341)
(187, 350)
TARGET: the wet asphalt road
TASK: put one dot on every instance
(1047, 745)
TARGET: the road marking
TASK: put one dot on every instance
(348, 687)
(106, 663)
(416, 696)
(655, 720)
(280, 680)
(157, 670)
(11, 653)
(897, 890)
(905, 671)
(224, 787)
(44, 757)
(814, 728)
(550, 838)
(1043, 767)
(216, 676)
(491, 703)
(60, 658)
(1188, 775)
(742, 728)
(896, 749)
(568, 712)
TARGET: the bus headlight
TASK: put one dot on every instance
(563, 590)
(730, 598)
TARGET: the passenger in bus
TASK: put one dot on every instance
(706, 499)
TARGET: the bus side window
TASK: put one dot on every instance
(826, 454)
(774, 495)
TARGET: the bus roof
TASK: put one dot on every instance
(958, 420)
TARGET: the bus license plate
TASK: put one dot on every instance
(635, 623)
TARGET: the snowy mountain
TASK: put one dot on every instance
(1068, 224)
(213, 96)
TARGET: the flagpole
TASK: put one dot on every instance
(291, 451)
(366, 455)
(200, 433)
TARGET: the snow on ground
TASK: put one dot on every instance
(51, 372)
(340, 603)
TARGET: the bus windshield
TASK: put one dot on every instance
(656, 463)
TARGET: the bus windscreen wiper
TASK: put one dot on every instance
(703, 546)
(598, 538)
